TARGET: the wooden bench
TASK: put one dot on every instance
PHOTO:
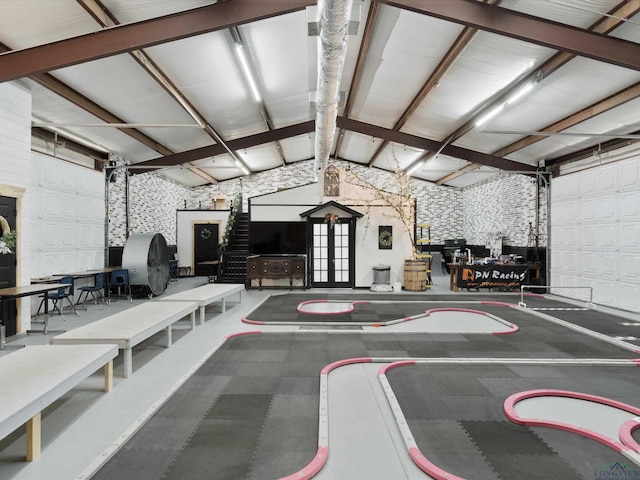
(130, 327)
(206, 295)
(35, 376)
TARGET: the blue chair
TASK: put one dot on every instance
(119, 279)
(173, 270)
(92, 290)
(58, 297)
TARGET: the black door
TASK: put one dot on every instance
(332, 263)
(8, 267)
(205, 248)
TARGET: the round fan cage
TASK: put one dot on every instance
(146, 256)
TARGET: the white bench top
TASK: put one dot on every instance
(128, 327)
(206, 294)
(37, 375)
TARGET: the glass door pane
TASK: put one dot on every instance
(341, 252)
(320, 253)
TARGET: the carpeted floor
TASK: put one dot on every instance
(251, 411)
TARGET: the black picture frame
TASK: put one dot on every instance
(385, 237)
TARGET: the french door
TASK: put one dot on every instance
(332, 250)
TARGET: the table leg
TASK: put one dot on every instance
(169, 336)
(45, 329)
(224, 305)
(34, 435)
(108, 376)
(128, 362)
(193, 320)
(202, 315)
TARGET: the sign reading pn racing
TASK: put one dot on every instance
(492, 276)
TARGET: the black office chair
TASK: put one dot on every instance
(92, 290)
(58, 297)
(120, 279)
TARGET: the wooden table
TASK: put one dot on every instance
(37, 375)
(206, 294)
(11, 293)
(130, 327)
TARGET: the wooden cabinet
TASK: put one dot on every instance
(276, 267)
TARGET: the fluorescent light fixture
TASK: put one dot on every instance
(244, 63)
(415, 167)
(241, 166)
(521, 93)
(488, 116)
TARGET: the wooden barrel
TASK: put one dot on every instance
(415, 275)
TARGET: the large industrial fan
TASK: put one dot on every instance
(146, 257)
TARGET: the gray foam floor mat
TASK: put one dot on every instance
(251, 410)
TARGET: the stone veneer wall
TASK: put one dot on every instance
(153, 201)
(507, 203)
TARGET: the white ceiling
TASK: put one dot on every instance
(411, 88)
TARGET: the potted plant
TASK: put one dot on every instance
(8, 237)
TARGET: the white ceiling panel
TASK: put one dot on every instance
(577, 13)
(300, 147)
(386, 64)
(404, 51)
(357, 147)
(394, 155)
(49, 108)
(487, 65)
(280, 47)
(48, 22)
(127, 11)
(216, 87)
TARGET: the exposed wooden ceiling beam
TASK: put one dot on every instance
(602, 26)
(237, 144)
(342, 122)
(101, 15)
(529, 29)
(360, 63)
(605, 147)
(132, 36)
(597, 108)
(445, 63)
(432, 145)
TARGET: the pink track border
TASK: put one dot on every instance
(319, 461)
(415, 454)
(625, 434)
(513, 327)
(620, 447)
(351, 305)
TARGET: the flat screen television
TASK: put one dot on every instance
(277, 238)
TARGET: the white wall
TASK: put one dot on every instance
(15, 175)
(595, 234)
(287, 205)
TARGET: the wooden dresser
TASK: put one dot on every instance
(276, 267)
